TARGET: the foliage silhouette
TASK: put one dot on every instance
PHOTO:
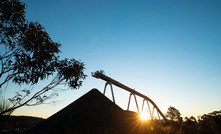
(207, 124)
(173, 114)
(4, 105)
(210, 123)
(29, 56)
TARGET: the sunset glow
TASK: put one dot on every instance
(144, 116)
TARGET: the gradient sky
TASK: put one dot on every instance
(168, 50)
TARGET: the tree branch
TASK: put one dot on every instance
(55, 82)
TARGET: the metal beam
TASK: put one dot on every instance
(100, 75)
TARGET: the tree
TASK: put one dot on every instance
(173, 114)
(175, 120)
(211, 122)
(28, 56)
(189, 126)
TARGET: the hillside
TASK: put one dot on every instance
(17, 124)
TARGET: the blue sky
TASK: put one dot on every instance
(168, 50)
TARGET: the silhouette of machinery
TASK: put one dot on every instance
(152, 107)
(94, 113)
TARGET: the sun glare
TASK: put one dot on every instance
(144, 116)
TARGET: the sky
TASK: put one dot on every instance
(168, 50)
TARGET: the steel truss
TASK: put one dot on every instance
(110, 81)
